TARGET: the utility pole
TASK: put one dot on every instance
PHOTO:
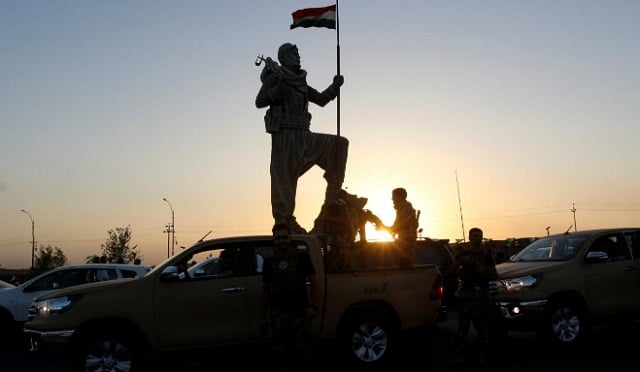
(33, 238)
(573, 209)
(168, 231)
(171, 229)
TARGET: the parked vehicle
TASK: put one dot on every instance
(560, 284)
(365, 310)
(5, 285)
(427, 251)
(15, 301)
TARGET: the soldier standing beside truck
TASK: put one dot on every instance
(474, 267)
(290, 308)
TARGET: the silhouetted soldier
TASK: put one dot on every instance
(405, 226)
(475, 268)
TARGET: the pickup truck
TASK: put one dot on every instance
(559, 285)
(14, 302)
(209, 295)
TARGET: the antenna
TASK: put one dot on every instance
(205, 235)
(460, 205)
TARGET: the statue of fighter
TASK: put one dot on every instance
(294, 148)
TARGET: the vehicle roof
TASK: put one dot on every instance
(101, 265)
(223, 239)
(596, 231)
(132, 267)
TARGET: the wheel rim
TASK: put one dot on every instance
(369, 342)
(108, 356)
(565, 324)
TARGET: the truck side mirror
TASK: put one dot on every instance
(170, 274)
(596, 256)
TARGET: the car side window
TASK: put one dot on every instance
(633, 241)
(129, 273)
(210, 263)
(69, 278)
(99, 275)
(228, 262)
(619, 248)
(261, 253)
(43, 284)
(58, 280)
(614, 245)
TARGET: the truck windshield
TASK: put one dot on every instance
(555, 248)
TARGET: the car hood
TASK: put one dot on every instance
(87, 288)
(515, 269)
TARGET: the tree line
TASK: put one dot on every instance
(115, 249)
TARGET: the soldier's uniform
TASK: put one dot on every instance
(287, 275)
(475, 269)
(405, 229)
(294, 148)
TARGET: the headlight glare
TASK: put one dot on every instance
(54, 306)
(520, 283)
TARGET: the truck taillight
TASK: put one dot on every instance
(437, 291)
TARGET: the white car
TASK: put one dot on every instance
(5, 285)
(14, 302)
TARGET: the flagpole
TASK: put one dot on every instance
(338, 63)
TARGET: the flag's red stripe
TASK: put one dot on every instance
(312, 12)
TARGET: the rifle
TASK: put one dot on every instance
(270, 64)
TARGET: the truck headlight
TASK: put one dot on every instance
(519, 283)
(52, 306)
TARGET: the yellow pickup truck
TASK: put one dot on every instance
(209, 295)
(561, 284)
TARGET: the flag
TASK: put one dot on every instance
(315, 17)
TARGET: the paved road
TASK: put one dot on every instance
(608, 349)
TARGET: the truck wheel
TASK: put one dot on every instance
(369, 341)
(106, 351)
(566, 323)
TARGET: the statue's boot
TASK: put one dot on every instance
(295, 227)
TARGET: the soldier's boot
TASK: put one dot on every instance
(481, 355)
(457, 355)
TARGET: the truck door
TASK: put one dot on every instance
(614, 282)
(208, 305)
(633, 267)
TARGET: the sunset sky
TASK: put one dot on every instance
(107, 107)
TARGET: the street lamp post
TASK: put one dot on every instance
(172, 229)
(33, 237)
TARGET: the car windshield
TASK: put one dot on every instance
(555, 248)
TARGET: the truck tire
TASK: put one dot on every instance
(565, 322)
(369, 340)
(108, 351)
